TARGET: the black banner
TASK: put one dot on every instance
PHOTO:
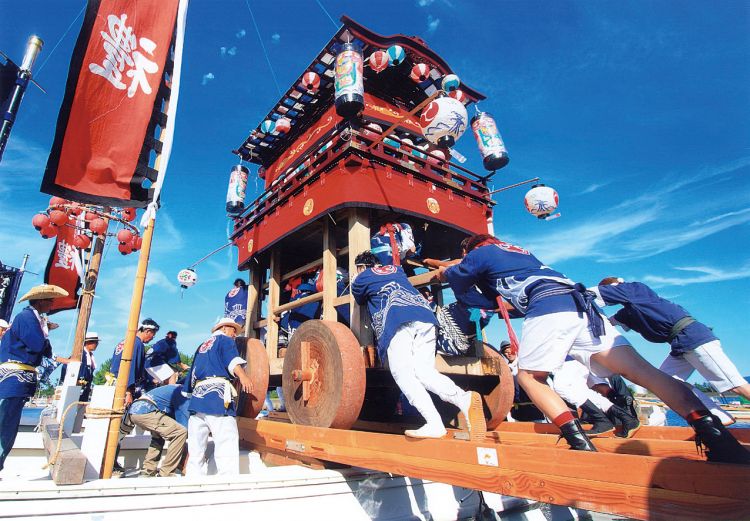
(10, 281)
(8, 76)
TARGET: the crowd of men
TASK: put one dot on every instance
(570, 357)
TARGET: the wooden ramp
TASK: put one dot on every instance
(650, 478)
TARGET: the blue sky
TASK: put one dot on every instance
(635, 112)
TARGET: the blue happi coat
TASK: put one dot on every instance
(235, 305)
(163, 352)
(654, 317)
(392, 302)
(216, 357)
(25, 343)
(168, 399)
(137, 376)
(516, 275)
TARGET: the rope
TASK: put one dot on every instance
(265, 53)
(60, 40)
(328, 15)
(92, 413)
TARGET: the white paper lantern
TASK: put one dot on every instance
(187, 278)
(443, 121)
(541, 201)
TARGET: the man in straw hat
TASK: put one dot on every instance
(21, 350)
(214, 400)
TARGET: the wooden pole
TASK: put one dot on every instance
(253, 295)
(87, 299)
(359, 241)
(127, 351)
(412, 112)
(274, 294)
(329, 270)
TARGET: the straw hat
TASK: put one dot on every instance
(91, 336)
(227, 322)
(44, 291)
(4, 324)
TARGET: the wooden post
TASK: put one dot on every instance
(329, 269)
(359, 241)
(127, 351)
(87, 298)
(253, 294)
(274, 293)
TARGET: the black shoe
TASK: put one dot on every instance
(720, 445)
(629, 423)
(599, 421)
(576, 436)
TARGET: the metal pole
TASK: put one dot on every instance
(33, 47)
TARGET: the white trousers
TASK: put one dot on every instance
(714, 365)
(223, 429)
(572, 382)
(411, 358)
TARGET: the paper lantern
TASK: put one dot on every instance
(396, 55)
(98, 226)
(420, 72)
(267, 126)
(125, 248)
(40, 221)
(187, 278)
(283, 125)
(128, 214)
(48, 231)
(81, 241)
(489, 141)
(443, 121)
(311, 81)
(124, 236)
(379, 61)
(56, 201)
(450, 83)
(459, 95)
(58, 217)
(541, 201)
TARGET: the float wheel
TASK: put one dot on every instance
(257, 369)
(499, 400)
(324, 375)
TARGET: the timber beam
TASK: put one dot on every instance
(637, 486)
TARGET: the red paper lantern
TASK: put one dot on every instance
(128, 214)
(124, 236)
(283, 125)
(39, 221)
(459, 95)
(55, 201)
(98, 226)
(48, 231)
(75, 209)
(81, 241)
(125, 248)
(379, 61)
(420, 72)
(311, 81)
(58, 217)
(136, 243)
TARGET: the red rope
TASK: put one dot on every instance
(511, 334)
(394, 245)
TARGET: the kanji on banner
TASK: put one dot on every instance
(64, 269)
(10, 280)
(115, 85)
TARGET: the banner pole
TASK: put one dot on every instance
(127, 352)
(33, 47)
(87, 298)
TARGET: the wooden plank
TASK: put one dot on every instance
(645, 432)
(274, 293)
(70, 463)
(583, 480)
(329, 269)
(309, 266)
(253, 302)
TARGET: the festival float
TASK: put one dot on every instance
(360, 144)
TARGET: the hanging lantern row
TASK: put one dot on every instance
(87, 221)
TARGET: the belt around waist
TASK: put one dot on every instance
(19, 366)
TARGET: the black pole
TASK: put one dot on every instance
(33, 47)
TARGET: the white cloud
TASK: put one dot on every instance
(705, 274)
(232, 51)
(207, 77)
(241, 33)
(424, 3)
(275, 37)
(720, 217)
(592, 188)
(432, 23)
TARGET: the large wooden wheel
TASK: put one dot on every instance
(324, 375)
(256, 369)
(499, 399)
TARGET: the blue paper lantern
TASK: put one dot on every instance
(396, 54)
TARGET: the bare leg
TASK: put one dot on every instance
(543, 396)
(743, 390)
(626, 361)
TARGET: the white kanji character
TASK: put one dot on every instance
(142, 66)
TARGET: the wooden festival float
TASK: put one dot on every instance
(338, 162)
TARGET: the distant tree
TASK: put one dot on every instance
(103, 369)
(705, 387)
(186, 359)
